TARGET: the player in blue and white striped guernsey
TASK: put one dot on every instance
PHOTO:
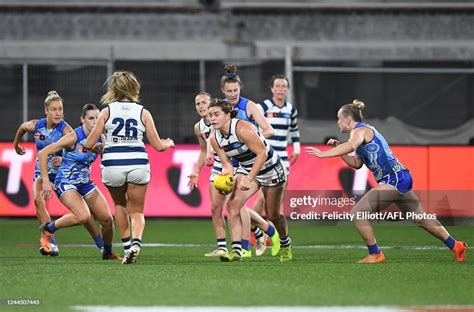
(73, 185)
(125, 167)
(202, 130)
(259, 167)
(283, 117)
(247, 110)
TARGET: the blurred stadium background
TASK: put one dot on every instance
(411, 62)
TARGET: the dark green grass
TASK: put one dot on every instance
(182, 276)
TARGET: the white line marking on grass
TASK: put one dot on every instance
(270, 309)
(358, 246)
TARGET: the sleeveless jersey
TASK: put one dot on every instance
(124, 132)
(43, 137)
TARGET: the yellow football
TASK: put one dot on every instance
(224, 183)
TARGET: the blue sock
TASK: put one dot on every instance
(271, 230)
(450, 242)
(246, 244)
(51, 227)
(107, 249)
(53, 240)
(374, 249)
(99, 242)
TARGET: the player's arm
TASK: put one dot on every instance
(209, 159)
(68, 141)
(262, 122)
(96, 132)
(248, 136)
(152, 134)
(356, 138)
(193, 177)
(295, 136)
(351, 160)
(25, 127)
(226, 163)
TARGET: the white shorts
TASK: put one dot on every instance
(117, 176)
(274, 177)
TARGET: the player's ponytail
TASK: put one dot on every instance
(354, 110)
(230, 75)
(122, 84)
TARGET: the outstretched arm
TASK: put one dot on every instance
(152, 134)
(96, 132)
(193, 177)
(352, 161)
(25, 127)
(356, 138)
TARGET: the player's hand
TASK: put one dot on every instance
(98, 149)
(47, 189)
(56, 161)
(193, 181)
(19, 149)
(294, 158)
(246, 183)
(314, 151)
(209, 160)
(168, 142)
(333, 142)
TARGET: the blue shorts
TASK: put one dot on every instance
(82, 188)
(400, 180)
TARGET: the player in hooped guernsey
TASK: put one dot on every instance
(125, 166)
(202, 130)
(259, 166)
(394, 181)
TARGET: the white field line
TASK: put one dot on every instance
(173, 245)
(444, 308)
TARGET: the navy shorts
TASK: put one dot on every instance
(82, 188)
(400, 180)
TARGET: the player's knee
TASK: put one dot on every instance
(39, 202)
(273, 216)
(83, 217)
(216, 210)
(107, 222)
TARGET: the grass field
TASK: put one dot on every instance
(418, 271)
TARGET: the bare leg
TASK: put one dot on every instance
(135, 205)
(273, 197)
(98, 205)
(375, 200)
(411, 203)
(121, 216)
(40, 205)
(217, 205)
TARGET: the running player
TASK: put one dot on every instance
(259, 166)
(394, 180)
(73, 185)
(202, 130)
(125, 166)
(46, 131)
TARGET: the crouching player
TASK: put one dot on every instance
(73, 185)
